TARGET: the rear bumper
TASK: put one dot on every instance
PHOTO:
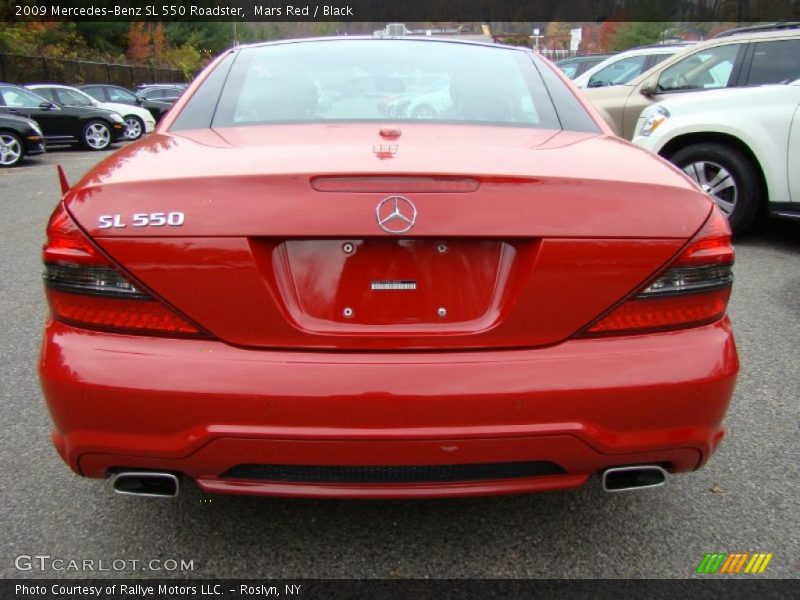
(203, 407)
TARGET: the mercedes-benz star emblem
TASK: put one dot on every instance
(396, 214)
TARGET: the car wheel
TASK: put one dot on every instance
(727, 175)
(96, 135)
(423, 111)
(11, 151)
(134, 127)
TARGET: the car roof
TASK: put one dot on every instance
(34, 86)
(585, 57)
(161, 84)
(779, 26)
(655, 49)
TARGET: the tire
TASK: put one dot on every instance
(728, 175)
(12, 150)
(134, 128)
(96, 135)
(423, 111)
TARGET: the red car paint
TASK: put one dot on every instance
(523, 237)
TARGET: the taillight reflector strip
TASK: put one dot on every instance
(135, 316)
(660, 313)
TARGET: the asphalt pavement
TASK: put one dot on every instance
(744, 500)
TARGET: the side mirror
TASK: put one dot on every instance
(47, 106)
(139, 100)
(648, 88)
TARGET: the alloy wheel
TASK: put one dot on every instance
(10, 150)
(133, 128)
(97, 136)
(716, 181)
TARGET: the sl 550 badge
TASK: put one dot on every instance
(156, 219)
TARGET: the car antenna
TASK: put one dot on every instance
(62, 179)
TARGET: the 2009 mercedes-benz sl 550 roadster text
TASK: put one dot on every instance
(382, 268)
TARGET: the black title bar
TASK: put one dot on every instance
(383, 11)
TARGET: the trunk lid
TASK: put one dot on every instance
(520, 237)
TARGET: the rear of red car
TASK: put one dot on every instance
(282, 293)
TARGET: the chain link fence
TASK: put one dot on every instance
(15, 68)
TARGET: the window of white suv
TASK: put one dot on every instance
(708, 69)
(775, 62)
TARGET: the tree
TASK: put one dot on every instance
(159, 41)
(186, 58)
(138, 43)
(636, 33)
(606, 34)
(557, 35)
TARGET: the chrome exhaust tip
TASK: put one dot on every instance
(639, 477)
(152, 484)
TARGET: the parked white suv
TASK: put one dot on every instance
(739, 60)
(741, 145)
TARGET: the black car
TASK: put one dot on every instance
(144, 86)
(577, 65)
(19, 137)
(92, 128)
(167, 93)
(114, 93)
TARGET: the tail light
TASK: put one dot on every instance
(392, 184)
(84, 289)
(694, 290)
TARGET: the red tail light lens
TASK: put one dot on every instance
(85, 290)
(693, 291)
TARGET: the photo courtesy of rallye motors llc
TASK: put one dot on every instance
(139, 590)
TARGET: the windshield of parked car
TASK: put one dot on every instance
(73, 98)
(380, 80)
(120, 95)
(619, 72)
(570, 69)
(19, 98)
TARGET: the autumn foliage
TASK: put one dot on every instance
(139, 43)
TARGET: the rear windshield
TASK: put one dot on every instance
(384, 80)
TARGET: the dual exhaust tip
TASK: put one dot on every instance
(639, 477)
(153, 484)
(157, 484)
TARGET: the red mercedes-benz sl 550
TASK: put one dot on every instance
(385, 268)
